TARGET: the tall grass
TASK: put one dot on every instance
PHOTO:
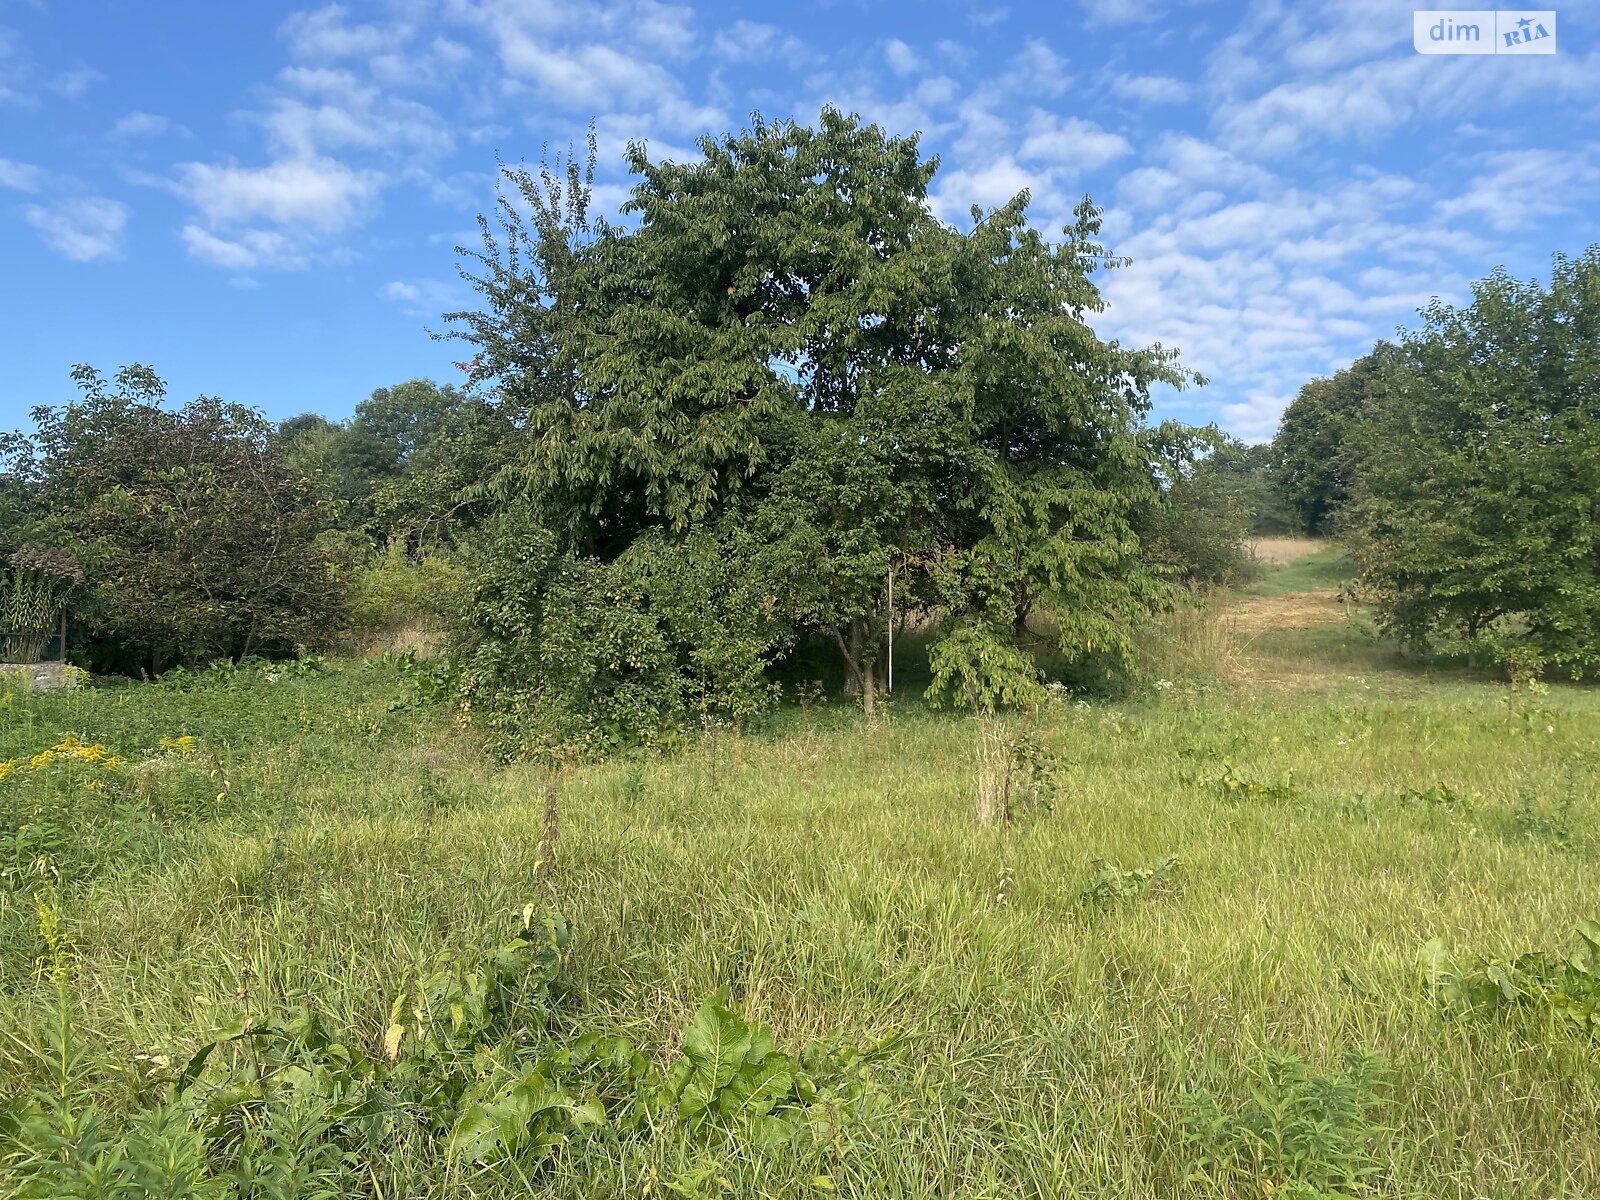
(833, 877)
(1197, 640)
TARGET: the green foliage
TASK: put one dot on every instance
(1235, 786)
(1472, 520)
(830, 874)
(1320, 442)
(568, 655)
(789, 343)
(465, 1072)
(1562, 988)
(404, 470)
(1215, 491)
(1112, 886)
(396, 592)
(72, 809)
(31, 597)
(1545, 822)
(972, 664)
(197, 539)
(1300, 1134)
(1441, 797)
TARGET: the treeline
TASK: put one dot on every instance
(185, 534)
(782, 412)
(688, 451)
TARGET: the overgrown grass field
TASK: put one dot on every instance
(1198, 965)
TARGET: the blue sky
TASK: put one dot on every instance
(261, 201)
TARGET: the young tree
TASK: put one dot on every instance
(1212, 493)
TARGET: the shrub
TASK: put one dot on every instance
(1302, 1135)
(1563, 987)
(566, 655)
(398, 598)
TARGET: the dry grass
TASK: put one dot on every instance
(425, 641)
(1288, 611)
(1198, 640)
(1282, 551)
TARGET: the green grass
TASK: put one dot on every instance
(317, 841)
(1330, 567)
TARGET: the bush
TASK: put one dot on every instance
(573, 656)
(398, 598)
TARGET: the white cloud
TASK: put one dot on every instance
(318, 194)
(1119, 12)
(424, 66)
(1523, 187)
(1037, 70)
(669, 28)
(751, 41)
(325, 35)
(335, 110)
(1264, 285)
(1150, 89)
(245, 251)
(609, 64)
(140, 124)
(72, 84)
(422, 297)
(1379, 98)
(1071, 142)
(902, 59)
(20, 177)
(82, 229)
(987, 186)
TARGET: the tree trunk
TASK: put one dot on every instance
(994, 772)
(859, 670)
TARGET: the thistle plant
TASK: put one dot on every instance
(40, 581)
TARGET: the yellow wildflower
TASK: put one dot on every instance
(71, 748)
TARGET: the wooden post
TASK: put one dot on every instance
(890, 688)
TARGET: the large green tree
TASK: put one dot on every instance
(1477, 501)
(1317, 447)
(787, 341)
(197, 538)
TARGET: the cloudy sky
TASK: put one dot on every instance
(262, 202)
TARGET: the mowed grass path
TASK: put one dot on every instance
(831, 875)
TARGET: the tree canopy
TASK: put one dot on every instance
(196, 537)
(1477, 500)
(1316, 445)
(787, 353)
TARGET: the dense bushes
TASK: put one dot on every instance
(197, 539)
(571, 655)
(397, 597)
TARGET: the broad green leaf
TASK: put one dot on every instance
(757, 1087)
(715, 1043)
